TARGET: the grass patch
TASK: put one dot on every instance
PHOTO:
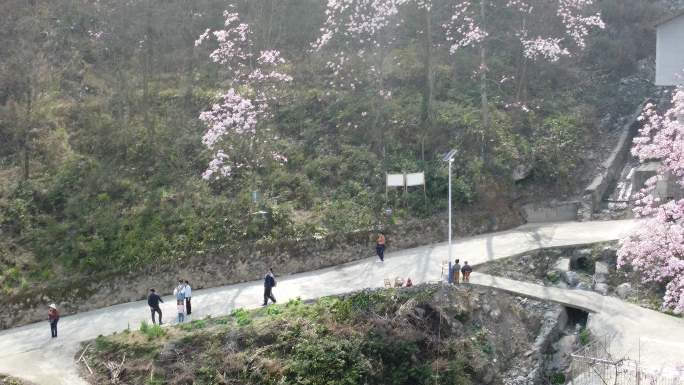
(152, 332)
(584, 337)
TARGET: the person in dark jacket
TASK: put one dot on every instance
(269, 284)
(53, 317)
(466, 270)
(153, 301)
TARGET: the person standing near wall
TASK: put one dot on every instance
(188, 297)
(380, 246)
(269, 284)
(53, 317)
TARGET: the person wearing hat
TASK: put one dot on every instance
(53, 317)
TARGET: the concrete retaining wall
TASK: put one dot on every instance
(555, 212)
(612, 167)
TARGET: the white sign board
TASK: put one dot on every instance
(395, 180)
(415, 179)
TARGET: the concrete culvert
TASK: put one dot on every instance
(577, 316)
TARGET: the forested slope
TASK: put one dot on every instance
(101, 155)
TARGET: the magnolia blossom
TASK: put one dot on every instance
(656, 249)
(464, 30)
(465, 27)
(577, 25)
(362, 26)
(236, 115)
(549, 48)
(218, 167)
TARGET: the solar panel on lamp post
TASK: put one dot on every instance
(449, 157)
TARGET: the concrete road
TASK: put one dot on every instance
(29, 352)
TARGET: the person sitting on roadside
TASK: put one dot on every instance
(408, 282)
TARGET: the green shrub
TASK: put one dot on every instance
(152, 332)
(557, 378)
(328, 361)
(585, 336)
(241, 316)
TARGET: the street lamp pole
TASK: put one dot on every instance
(451, 161)
(449, 157)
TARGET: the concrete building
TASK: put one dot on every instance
(669, 72)
(670, 51)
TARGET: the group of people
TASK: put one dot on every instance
(183, 294)
(465, 270)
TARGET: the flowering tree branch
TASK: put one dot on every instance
(656, 249)
(236, 116)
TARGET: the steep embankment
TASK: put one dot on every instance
(101, 152)
(425, 335)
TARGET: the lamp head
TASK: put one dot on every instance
(449, 156)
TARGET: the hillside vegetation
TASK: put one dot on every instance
(425, 335)
(101, 155)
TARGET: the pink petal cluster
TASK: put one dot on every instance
(234, 114)
(237, 113)
(546, 48)
(577, 25)
(363, 29)
(656, 249)
(465, 28)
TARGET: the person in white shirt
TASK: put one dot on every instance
(179, 291)
(188, 296)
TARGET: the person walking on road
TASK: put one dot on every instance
(380, 246)
(456, 272)
(188, 297)
(466, 270)
(269, 284)
(153, 301)
(53, 317)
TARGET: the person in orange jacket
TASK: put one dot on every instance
(380, 246)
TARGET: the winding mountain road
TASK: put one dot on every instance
(28, 352)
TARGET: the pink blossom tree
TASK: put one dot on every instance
(545, 29)
(656, 248)
(358, 33)
(237, 119)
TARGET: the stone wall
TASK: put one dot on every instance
(553, 212)
(239, 263)
(610, 169)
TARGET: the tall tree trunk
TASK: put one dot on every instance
(27, 133)
(147, 73)
(429, 83)
(521, 90)
(483, 83)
